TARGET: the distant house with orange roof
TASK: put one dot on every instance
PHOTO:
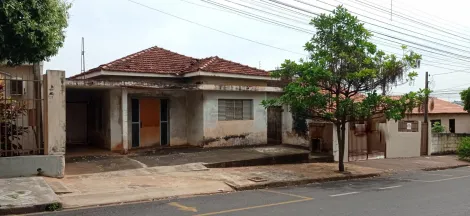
(451, 115)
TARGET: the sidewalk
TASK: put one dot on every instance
(195, 179)
(411, 164)
(190, 179)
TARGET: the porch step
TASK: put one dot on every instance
(269, 160)
(313, 158)
(59, 188)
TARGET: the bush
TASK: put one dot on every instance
(438, 128)
(463, 151)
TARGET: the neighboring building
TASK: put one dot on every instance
(18, 87)
(451, 115)
(156, 97)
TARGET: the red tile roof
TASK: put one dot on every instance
(161, 61)
(442, 107)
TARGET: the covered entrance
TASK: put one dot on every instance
(149, 122)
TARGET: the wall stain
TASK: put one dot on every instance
(209, 140)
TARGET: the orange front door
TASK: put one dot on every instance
(149, 122)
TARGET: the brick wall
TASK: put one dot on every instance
(446, 143)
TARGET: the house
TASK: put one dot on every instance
(160, 98)
(451, 115)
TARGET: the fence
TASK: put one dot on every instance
(446, 143)
(20, 111)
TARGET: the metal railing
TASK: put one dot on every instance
(20, 111)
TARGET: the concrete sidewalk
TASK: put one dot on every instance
(415, 163)
(190, 179)
(226, 157)
(27, 194)
(194, 179)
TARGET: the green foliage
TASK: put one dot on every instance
(463, 150)
(54, 207)
(438, 128)
(10, 111)
(465, 97)
(31, 30)
(339, 82)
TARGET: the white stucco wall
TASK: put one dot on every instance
(401, 144)
(336, 144)
(115, 120)
(236, 132)
(195, 117)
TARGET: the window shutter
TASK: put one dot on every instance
(238, 109)
(221, 110)
(229, 110)
(247, 109)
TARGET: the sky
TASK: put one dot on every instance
(439, 30)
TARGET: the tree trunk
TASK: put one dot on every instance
(340, 132)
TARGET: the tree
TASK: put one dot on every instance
(31, 30)
(339, 81)
(465, 97)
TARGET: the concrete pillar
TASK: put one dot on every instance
(125, 140)
(54, 112)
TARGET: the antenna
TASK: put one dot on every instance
(82, 60)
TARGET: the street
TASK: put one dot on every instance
(443, 192)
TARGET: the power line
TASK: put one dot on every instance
(306, 31)
(379, 26)
(213, 29)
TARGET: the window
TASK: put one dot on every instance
(434, 121)
(235, 109)
(408, 126)
(452, 125)
(16, 87)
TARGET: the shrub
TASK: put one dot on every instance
(463, 150)
(438, 128)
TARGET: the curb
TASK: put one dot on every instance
(30, 209)
(445, 167)
(301, 182)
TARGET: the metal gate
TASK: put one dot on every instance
(21, 131)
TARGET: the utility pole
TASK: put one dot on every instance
(426, 98)
(82, 60)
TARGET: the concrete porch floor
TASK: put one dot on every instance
(224, 157)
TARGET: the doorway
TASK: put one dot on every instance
(149, 120)
(274, 125)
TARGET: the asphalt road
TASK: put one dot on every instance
(444, 192)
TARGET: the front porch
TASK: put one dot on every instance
(120, 116)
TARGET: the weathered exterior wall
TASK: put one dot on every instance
(288, 134)
(177, 113)
(33, 165)
(237, 132)
(54, 113)
(401, 144)
(227, 81)
(462, 120)
(195, 115)
(446, 143)
(115, 120)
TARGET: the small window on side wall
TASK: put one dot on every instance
(407, 126)
(235, 109)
